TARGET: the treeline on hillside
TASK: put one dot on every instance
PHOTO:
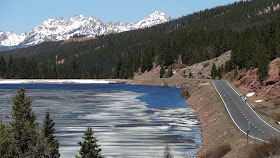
(190, 39)
(186, 46)
(253, 47)
(256, 47)
(21, 137)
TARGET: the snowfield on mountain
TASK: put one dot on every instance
(62, 29)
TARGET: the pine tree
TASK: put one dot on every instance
(23, 123)
(170, 72)
(219, 73)
(48, 132)
(117, 72)
(24, 133)
(214, 71)
(3, 67)
(89, 147)
(4, 142)
(162, 72)
(235, 73)
(9, 67)
(190, 75)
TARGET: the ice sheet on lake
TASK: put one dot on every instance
(55, 81)
(124, 126)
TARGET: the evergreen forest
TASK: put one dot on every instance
(245, 28)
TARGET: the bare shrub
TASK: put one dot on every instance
(277, 102)
(243, 80)
(266, 149)
(275, 116)
(185, 94)
(205, 64)
(220, 151)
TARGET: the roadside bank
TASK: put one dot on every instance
(219, 135)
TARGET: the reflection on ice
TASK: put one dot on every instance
(124, 126)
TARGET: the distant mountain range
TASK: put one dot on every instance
(62, 29)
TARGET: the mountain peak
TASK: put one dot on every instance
(155, 18)
(61, 29)
(159, 15)
(77, 18)
(93, 19)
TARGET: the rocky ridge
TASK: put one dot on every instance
(62, 29)
(267, 90)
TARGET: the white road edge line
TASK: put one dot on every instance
(231, 116)
(253, 110)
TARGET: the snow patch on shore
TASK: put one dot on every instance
(250, 94)
(55, 81)
(258, 101)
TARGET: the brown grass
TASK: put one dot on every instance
(220, 151)
(277, 102)
(266, 149)
(206, 64)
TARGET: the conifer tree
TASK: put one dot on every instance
(170, 72)
(117, 72)
(214, 71)
(23, 123)
(4, 142)
(9, 67)
(162, 72)
(3, 67)
(25, 139)
(89, 147)
(48, 132)
(190, 75)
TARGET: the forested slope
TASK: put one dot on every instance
(247, 28)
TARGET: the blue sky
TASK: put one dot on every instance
(22, 15)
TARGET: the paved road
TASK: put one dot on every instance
(242, 114)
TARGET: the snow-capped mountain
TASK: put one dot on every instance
(62, 29)
(11, 39)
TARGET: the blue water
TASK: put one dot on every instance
(129, 120)
(155, 97)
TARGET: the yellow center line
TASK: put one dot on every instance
(241, 111)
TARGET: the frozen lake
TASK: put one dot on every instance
(129, 121)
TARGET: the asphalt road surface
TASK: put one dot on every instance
(242, 114)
